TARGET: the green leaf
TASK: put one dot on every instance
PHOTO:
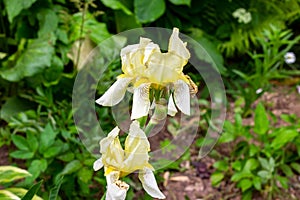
(35, 58)
(261, 121)
(47, 138)
(85, 174)
(257, 182)
(245, 184)
(14, 7)
(48, 21)
(296, 166)
(71, 167)
(283, 181)
(286, 170)
(13, 106)
(125, 22)
(21, 154)
(32, 191)
(35, 168)
(237, 165)
(54, 191)
(116, 5)
(251, 164)
(216, 178)
(20, 192)
(264, 163)
(240, 175)
(148, 11)
(7, 195)
(32, 140)
(181, 2)
(11, 173)
(221, 165)
(52, 151)
(283, 137)
(264, 174)
(20, 142)
(67, 157)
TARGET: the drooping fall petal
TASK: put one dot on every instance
(147, 178)
(115, 93)
(141, 101)
(182, 96)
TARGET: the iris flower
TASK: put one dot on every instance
(145, 67)
(119, 163)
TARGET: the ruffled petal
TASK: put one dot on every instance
(172, 110)
(182, 96)
(137, 147)
(147, 178)
(141, 102)
(115, 93)
(111, 149)
(98, 164)
(177, 47)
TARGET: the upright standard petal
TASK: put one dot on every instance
(141, 101)
(182, 96)
(177, 46)
(115, 93)
(112, 151)
(147, 178)
(137, 147)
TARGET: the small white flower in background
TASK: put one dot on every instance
(242, 15)
(119, 162)
(298, 89)
(289, 58)
(145, 67)
(258, 91)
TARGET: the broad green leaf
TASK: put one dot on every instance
(13, 106)
(216, 178)
(240, 175)
(181, 2)
(20, 192)
(251, 164)
(245, 184)
(125, 22)
(47, 138)
(253, 149)
(264, 174)
(221, 165)
(237, 165)
(11, 173)
(34, 59)
(35, 168)
(85, 174)
(32, 191)
(20, 142)
(67, 157)
(48, 21)
(71, 167)
(116, 5)
(257, 182)
(32, 141)
(148, 11)
(264, 163)
(52, 151)
(21, 154)
(283, 137)
(283, 181)
(14, 7)
(261, 121)
(54, 191)
(7, 195)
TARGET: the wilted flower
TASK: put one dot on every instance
(119, 163)
(242, 15)
(289, 58)
(145, 67)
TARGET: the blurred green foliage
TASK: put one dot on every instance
(42, 46)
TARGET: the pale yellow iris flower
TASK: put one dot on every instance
(145, 66)
(119, 163)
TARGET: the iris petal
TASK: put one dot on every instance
(182, 96)
(141, 102)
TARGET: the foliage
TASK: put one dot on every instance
(264, 157)
(8, 175)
